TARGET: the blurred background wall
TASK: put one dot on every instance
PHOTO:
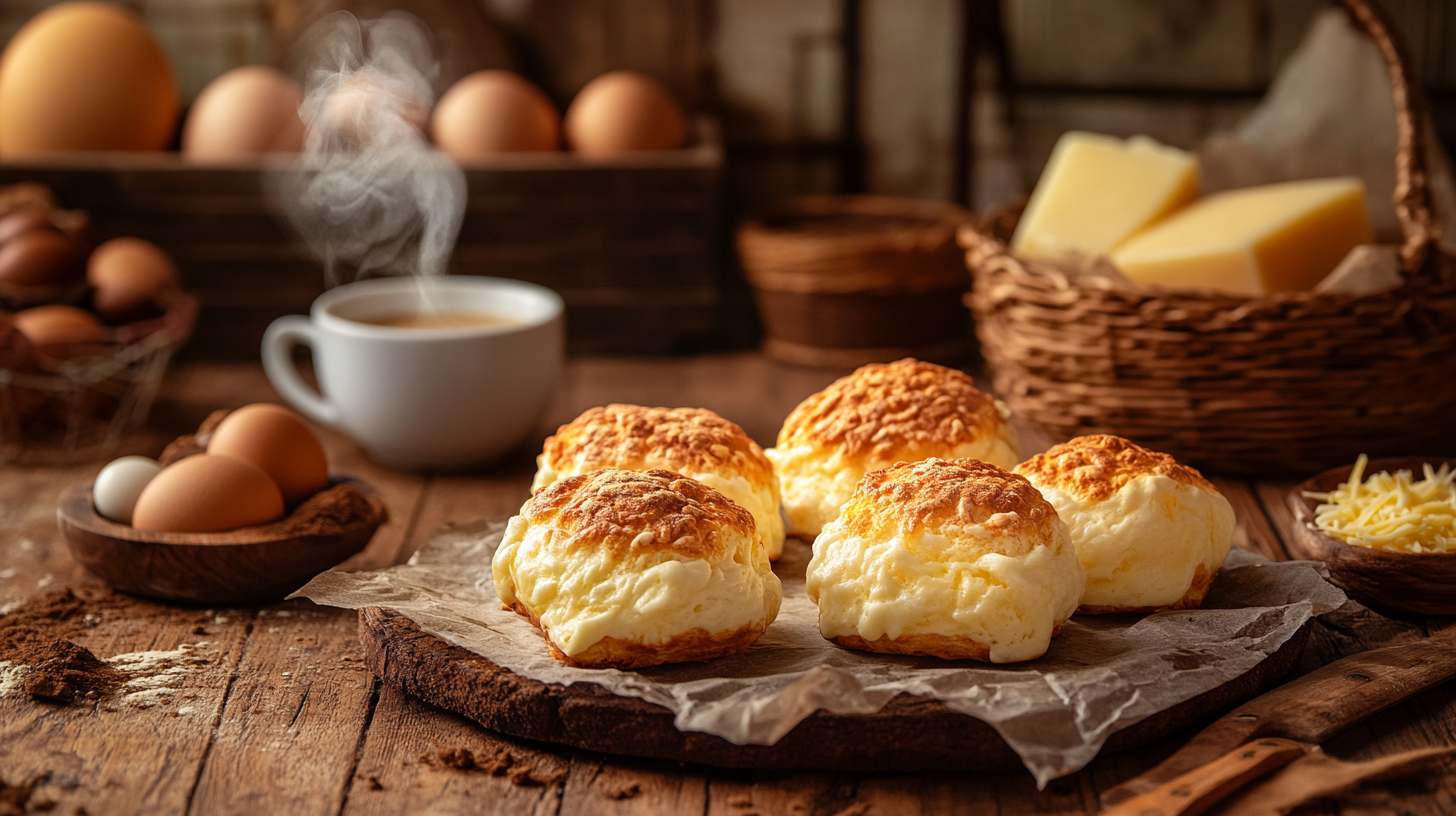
(951, 99)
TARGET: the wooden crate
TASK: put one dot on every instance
(634, 245)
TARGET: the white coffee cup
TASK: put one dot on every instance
(433, 398)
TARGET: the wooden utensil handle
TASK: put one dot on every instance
(1201, 788)
(1312, 708)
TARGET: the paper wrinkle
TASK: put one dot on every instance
(1102, 673)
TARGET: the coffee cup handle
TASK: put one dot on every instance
(283, 335)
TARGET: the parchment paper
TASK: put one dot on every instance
(1102, 673)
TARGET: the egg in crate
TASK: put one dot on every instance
(245, 112)
(21, 222)
(623, 112)
(36, 254)
(85, 76)
(490, 112)
(367, 107)
(128, 274)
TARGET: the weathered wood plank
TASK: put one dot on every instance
(1272, 499)
(625, 788)
(402, 492)
(401, 769)
(1017, 794)
(150, 761)
(493, 494)
(139, 752)
(35, 559)
(1253, 532)
(289, 734)
(766, 792)
(928, 796)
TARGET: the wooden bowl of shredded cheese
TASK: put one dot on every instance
(1386, 529)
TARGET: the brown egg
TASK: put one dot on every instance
(85, 76)
(244, 112)
(369, 106)
(491, 112)
(127, 274)
(23, 221)
(276, 440)
(57, 324)
(207, 493)
(40, 257)
(624, 111)
(15, 354)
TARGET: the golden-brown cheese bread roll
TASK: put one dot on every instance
(881, 414)
(956, 559)
(692, 441)
(625, 569)
(1151, 533)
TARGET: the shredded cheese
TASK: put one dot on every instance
(1392, 511)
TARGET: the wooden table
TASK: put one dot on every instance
(282, 718)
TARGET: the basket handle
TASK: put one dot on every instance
(1412, 184)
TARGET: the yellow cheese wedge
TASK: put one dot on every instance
(1276, 238)
(1098, 190)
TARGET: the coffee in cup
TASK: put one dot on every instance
(433, 319)
(443, 373)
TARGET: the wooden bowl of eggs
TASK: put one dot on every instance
(1386, 528)
(242, 512)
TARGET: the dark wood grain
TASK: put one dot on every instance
(289, 733)
(121, 755)
(250, 565)
(604, 785)
(35, 559)
(1275, 508)
(1253, 531)
(251, 727)
(1397, 583)
(399, 772)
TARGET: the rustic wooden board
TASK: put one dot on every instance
(908, 734)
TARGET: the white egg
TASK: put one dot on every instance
(120, 483)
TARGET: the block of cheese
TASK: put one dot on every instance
(1276, 238)
(1098, 190)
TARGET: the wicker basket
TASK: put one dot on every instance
(846, 280)
(1293, 382)
(62, 411)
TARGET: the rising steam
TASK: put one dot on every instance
(372, 197)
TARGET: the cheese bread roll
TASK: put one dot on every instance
(692, 441)
(625, 569)
(955, 559)
(879, 415)
(1152, 533)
